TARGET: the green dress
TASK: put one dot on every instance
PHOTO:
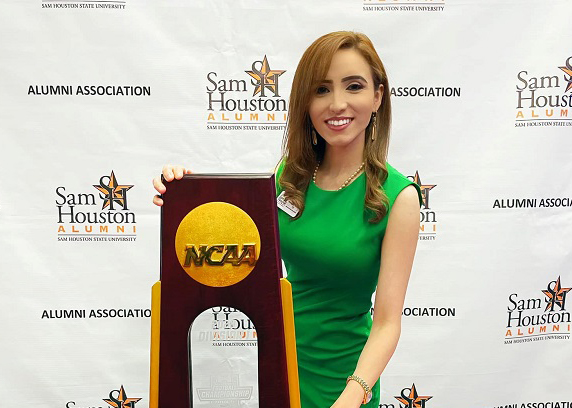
(332, 257)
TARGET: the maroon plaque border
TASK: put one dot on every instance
(258, 295)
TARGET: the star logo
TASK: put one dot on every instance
(425, 188)
(264, 77)
(556, 295)
(118, 399)
(113, 192)
(411, 399)
(568, 71)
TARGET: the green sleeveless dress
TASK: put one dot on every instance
(332, 257)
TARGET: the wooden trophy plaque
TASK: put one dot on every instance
(222, 327)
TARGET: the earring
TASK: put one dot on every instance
(314, 137)
(373, 126)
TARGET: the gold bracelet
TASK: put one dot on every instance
(366, 390)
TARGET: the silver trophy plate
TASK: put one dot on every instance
(223, 359)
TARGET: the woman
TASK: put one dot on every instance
(356, 226)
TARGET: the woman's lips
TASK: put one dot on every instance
(338, 123)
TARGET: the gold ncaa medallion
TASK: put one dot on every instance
(217, 244)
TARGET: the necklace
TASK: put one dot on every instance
(345, 183)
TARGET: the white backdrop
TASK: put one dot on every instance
(75, 297)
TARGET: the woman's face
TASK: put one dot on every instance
(342, 106)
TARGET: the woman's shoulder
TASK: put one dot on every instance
(396, 182)
(279, 167)
(278, 172)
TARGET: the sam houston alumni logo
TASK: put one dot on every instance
(116, 399)
(538, 318)
(545, 98)
(250, 101)
(101, 216)
(428, 226)
(229, 327)
(409, 397)
(403, 5)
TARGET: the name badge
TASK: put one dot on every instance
(286, 205)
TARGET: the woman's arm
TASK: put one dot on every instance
(398, 251)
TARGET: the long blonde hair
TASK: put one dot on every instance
(300, 156)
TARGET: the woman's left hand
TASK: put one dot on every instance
(351, 397)
(340, 403)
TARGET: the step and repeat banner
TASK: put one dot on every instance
(96, 96)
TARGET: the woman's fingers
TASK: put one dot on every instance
(158, 201)
(179, 172)
(174, 172)
(159, 186)
(168, 173)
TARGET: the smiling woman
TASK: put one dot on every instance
(356, 225)
(340, 92)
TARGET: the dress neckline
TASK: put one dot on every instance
(362, 174)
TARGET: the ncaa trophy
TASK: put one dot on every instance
(222, 323)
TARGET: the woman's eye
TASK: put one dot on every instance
(355, 87)
(321, 90)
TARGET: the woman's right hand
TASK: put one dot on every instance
(170, 173)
